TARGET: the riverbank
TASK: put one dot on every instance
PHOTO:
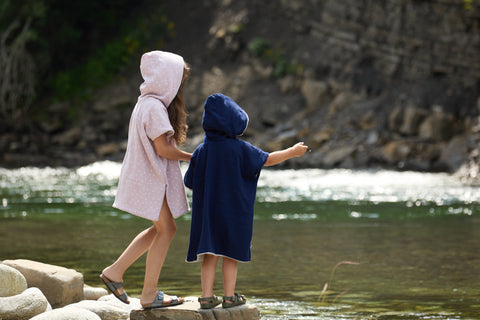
(348, 131)
(38, 291)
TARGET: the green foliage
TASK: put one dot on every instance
(236, 27)
(11, 10)
(97, 70)
(263, 49)
(119, 50)
(468, 4)
(76, 46)
(259, 47)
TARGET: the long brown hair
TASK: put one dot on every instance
(177, 113)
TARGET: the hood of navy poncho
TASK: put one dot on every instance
(223, 117)
(223, 174)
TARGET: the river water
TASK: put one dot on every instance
(389, 245)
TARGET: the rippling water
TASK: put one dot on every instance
(415, 237)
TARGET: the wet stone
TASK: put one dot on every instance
(190, 310)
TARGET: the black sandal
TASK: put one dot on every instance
(235, 300)
(209, 302)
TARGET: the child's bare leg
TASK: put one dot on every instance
(229, 270)
(135, 250)
(165, 229)
(209, 267)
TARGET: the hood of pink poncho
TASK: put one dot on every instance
(162, 73)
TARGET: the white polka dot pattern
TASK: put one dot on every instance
(146, 178)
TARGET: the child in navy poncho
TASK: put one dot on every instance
(223, 174)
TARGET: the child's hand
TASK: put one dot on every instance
(299, 149)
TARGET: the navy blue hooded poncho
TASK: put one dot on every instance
(223, 174)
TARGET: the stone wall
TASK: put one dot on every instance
(394, 39)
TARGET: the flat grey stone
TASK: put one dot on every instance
(190, 310)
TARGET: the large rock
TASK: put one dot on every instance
(395, 119)
(190, 310)
(337, 155)
(315, 92)
(396, 151)
(60, 285)
(321, 136)
(107, 149)
(438, 126)
(112, 300)
(114, 303)
(104, 309)
(289, 84)
(412, 118)
(284, 140)
(93, 293)
(67, 313)
(454, 154)
(12, 282)
(25, 305)
(69, 137)
(341, 101)
(406, 120)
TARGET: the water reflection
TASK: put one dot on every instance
(97, 183)
(370, 185)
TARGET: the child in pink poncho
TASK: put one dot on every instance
(151, 183)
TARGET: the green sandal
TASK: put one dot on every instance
(209, 302)
(235, 300)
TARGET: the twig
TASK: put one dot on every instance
(323, 294)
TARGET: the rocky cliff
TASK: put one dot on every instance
(393, 84)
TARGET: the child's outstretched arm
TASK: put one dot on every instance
(168, 151)
(277, 157)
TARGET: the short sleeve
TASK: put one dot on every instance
(156, 121)
(253, 161)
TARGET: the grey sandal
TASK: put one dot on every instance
(209, 302)
(114, 287)
(158, 302)
(235, 300)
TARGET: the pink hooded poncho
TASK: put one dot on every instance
(146, 178)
